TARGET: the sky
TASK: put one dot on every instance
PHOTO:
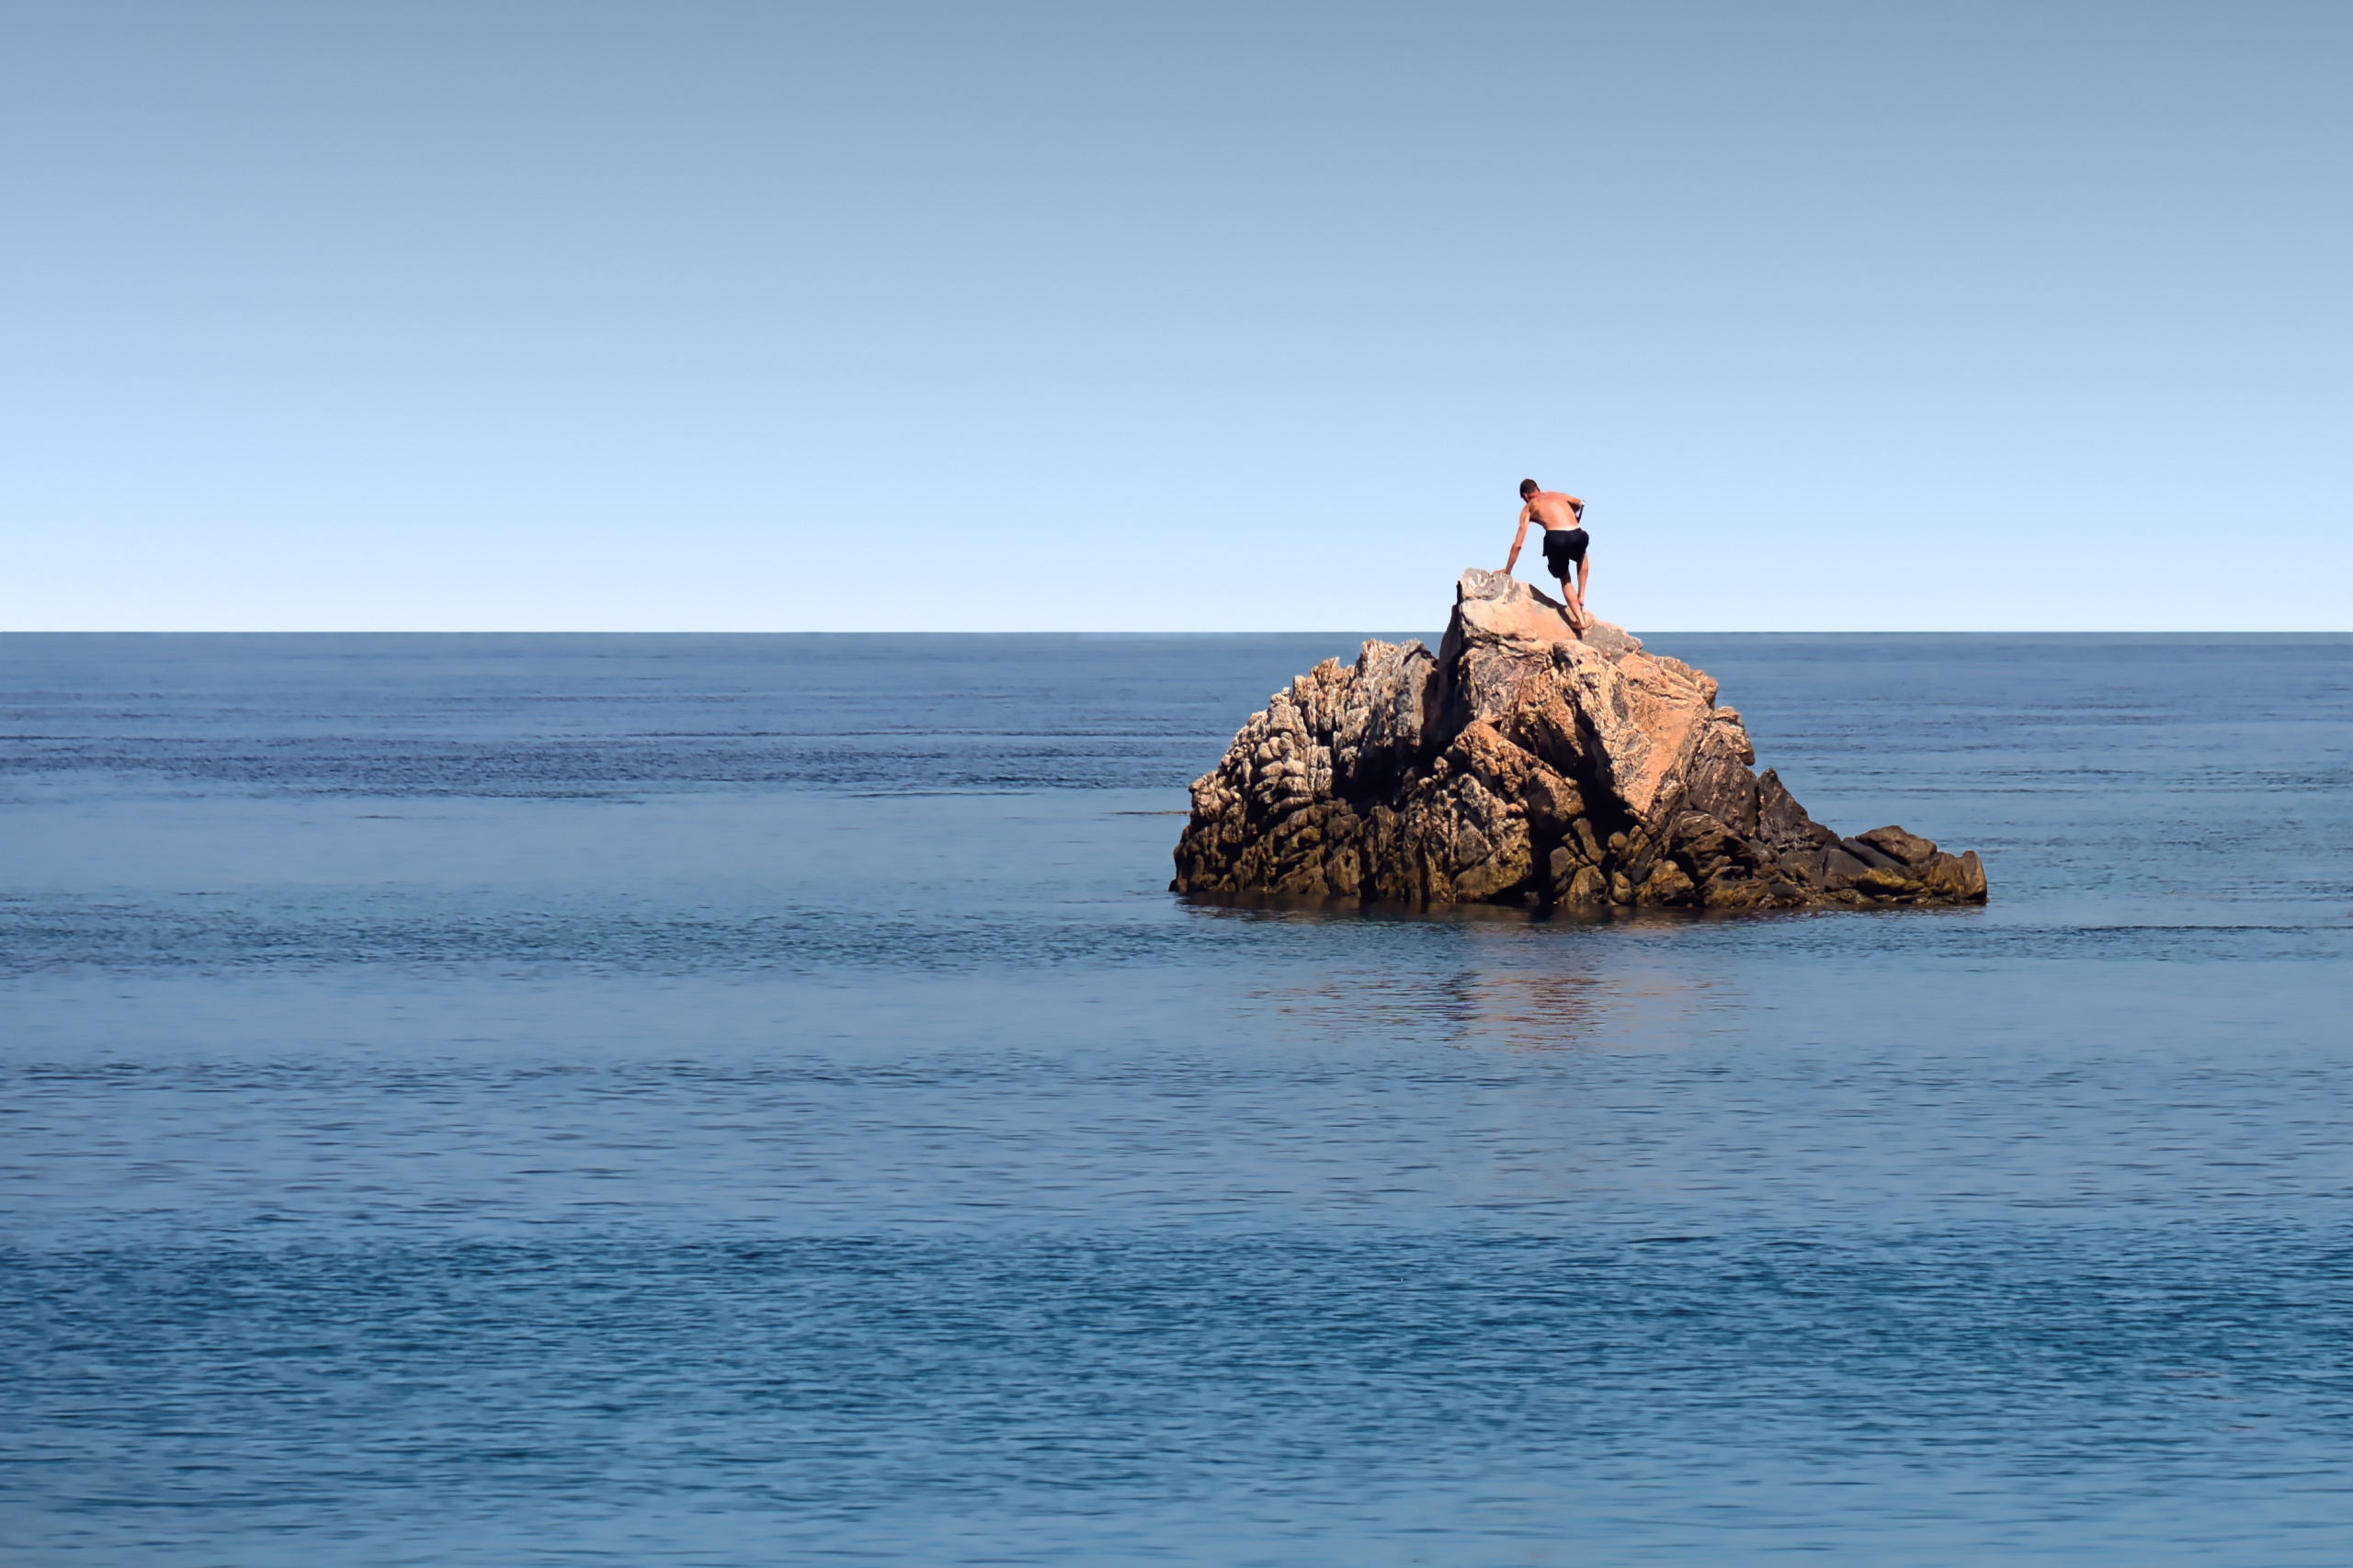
(1130, 318)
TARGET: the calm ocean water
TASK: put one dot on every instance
(715, 1100)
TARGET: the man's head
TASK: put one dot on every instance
(1528, 487)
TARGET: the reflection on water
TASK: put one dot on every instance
(1501, 1005)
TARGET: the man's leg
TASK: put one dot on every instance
(1585, 578)
(1571, 605)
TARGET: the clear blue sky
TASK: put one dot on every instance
(881, 317)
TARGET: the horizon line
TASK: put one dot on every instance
(1055, 631)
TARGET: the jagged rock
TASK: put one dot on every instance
(1871, 856)
(1525, 762)
(1906, 847)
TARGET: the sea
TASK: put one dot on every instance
(730, 1100)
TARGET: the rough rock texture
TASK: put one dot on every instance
(1524, 763)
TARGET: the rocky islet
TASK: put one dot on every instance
(1523, 763)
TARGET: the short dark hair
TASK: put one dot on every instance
(1528, 487)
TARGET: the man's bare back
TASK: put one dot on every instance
(1564, 545)
(1554, 510)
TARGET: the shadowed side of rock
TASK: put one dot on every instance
(1522, 762)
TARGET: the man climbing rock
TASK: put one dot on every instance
(1565, 542)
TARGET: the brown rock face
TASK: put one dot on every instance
(1524, 763)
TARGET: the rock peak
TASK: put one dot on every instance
(1499, 605)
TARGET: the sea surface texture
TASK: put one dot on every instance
(739, 1100)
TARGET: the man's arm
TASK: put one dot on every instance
(1517, 540)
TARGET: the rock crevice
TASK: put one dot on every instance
(1522, 763)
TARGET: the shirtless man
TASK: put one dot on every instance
(1565, 542)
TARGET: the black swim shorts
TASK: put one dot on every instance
(1563, 548)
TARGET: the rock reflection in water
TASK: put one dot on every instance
(1531, 996)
